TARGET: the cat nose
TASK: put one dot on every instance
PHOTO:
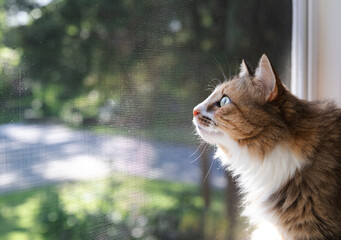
(196, 112)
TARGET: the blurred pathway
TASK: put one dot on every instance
(32, 155)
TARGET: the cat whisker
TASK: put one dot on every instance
(210, 78)
(213, 84)
(209, 88)
(199, 155)
(237, 69)
(196, 149)
(209, 170)
(228, 66)
(219, 67)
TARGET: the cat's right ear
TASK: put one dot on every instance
(244, 70)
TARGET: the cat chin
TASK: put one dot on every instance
(210, 136)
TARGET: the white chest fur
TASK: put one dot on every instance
(259, 178)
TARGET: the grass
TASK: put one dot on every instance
(72, 209)
(17, 214)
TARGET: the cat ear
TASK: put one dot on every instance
(244, 70)
(266, 76)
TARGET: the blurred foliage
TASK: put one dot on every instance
(138, 67)
(94, 210)
(130, 62)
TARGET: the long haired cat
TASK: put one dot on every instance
(284, 152)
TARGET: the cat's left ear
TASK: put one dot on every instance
(267, 77)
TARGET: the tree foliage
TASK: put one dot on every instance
(155, 55)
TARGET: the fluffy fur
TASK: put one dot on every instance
(284, 152)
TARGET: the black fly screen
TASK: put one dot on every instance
(96, 99)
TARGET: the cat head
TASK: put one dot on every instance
(243, 109)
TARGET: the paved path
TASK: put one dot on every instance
(32, 155)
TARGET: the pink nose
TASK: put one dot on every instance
(196, 112)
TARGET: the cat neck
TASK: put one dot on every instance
(258, 178)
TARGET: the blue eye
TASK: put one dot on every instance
(224, 101)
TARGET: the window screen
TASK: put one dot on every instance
(96, 100)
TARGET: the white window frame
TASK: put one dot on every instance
(316, 49)
(304, 49)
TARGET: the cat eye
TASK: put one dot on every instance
(224, 101)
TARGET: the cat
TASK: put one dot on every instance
(284, 152)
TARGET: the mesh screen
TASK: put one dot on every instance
(96, 99)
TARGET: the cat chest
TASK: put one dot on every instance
(259, 179)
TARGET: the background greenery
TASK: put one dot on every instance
(95, 210)
(141, 62)
(126, 67)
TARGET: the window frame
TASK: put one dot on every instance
(304, 50)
